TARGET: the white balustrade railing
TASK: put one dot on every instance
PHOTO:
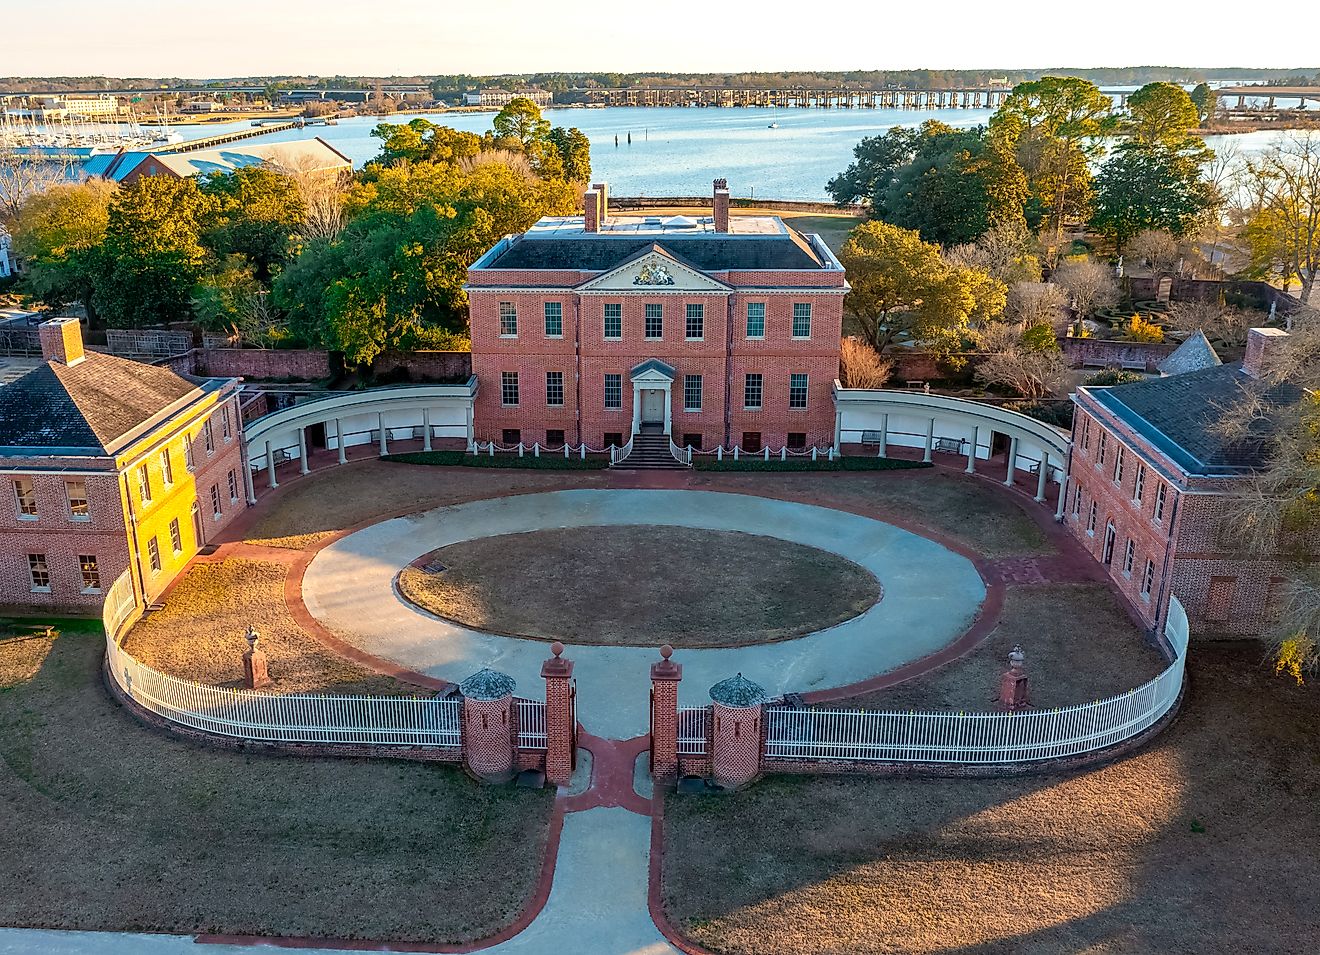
(737, 453)
(619, 455)
(536, 450)
(681, 455)
(1024, 736)
(692, 730)
(531, 723)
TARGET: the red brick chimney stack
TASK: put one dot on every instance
(603, 189)
(61, 341)
(1264, 346)
(591, 211)
(721, 205)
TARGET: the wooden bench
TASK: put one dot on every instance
(871, 437)
(916, 386)
(949, 445)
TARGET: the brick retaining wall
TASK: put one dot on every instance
(263, 363)
(1104, 353)
(423, 366)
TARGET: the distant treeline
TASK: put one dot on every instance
(448, 85)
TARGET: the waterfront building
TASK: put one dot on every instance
(45, 108)
(713, 331)
(501, 98)
(107, 464)
(306, 155)
(1152, 474)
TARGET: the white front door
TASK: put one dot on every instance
(653, 406)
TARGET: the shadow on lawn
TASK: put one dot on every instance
(1207, 840)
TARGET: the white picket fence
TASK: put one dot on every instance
(1027, 736)
(692, 722)
(531, 723)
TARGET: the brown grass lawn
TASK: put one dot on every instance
(199, 634)
(984, 518)
(1080, 643)
(108, 825)
(1206, 841)
(719, 588)
(341, 498)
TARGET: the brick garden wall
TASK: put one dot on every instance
(264, 363)
(1103, 354)
(423, 366)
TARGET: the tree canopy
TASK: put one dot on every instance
(1151, 186)
(1161, 114)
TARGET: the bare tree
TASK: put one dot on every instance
(861, 366)
(24, 174)
(1007, 251)
(1027, 372)
(322, 192)
(1089, 284)
(1224, 323)
(1157, 249)
(1284, 185)
(1037, 303)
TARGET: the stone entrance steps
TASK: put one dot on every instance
(651, 453)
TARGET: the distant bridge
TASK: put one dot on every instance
(801, 98)
(1270, 94)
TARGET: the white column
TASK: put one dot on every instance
(669, 407)
(426, 429)
(971, 453)
(251, 487)
(637, 408)
(838, 429)
(303, 467)
(1012, 459)
(471, 431)
(1063, 498)
(1044, 474)
(270, 467)
(339, 440)
(384, 439)
(884, 436)
(930, 439)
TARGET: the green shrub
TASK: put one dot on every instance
(1115, 377)
(547, 462)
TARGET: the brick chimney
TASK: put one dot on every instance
(604, 189)
(1264, 345)
(61, 341)
(591, 211)
(721, 205)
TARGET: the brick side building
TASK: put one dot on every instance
(716, 331)
(1150, 477)
(109, 465)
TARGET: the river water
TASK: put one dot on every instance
(677, 151)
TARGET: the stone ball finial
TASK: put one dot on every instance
(252, 636)
(666, 651)
(556, 648)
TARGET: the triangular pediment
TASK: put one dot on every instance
(653, 270)
(653, 369)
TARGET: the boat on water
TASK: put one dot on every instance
(773, 126)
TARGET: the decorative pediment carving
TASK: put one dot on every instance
(653, 272)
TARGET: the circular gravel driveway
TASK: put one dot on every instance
(931, 596)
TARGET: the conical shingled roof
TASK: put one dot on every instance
(487, 684)
(1192, 355)
(738, 691)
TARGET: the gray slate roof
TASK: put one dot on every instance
(87, 406)
(487, 684)
(1192, 355)
(738, 691)
(708, 253)
(1179, 415)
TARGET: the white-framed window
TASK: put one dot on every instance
(1139, 483)
(209, 433)
(166, 467)
(215, 501)
(226, 426)
(1118, 465)
(613, 392)
(25, 498)
(753, 385)
(188, 461)
(39, 573)
(692, 392)
(91, 573)
(1148, 579)
(613, 320)
(756, 319)
(508, 320)
(695, 329)
(1129, 557)
(153, 554)
(144, 484)
(655, 320)
(509, 388)
(1111, 536)
(1086, 433)
(554, 389)
(233, 486)
(1090, 519)
(1100, 448)
(76, 494)
(797, 391)
(801, 319)
(554, 319)
(1077, 502)
(1161, 493)
(176, 536)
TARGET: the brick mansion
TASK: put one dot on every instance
(603, 330)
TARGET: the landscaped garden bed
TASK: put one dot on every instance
(749, 462)
(546, 461)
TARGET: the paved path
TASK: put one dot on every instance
(931, 596)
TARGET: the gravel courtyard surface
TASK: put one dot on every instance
(641, 586)
(1205, 841)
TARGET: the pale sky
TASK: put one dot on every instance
(405, 37)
